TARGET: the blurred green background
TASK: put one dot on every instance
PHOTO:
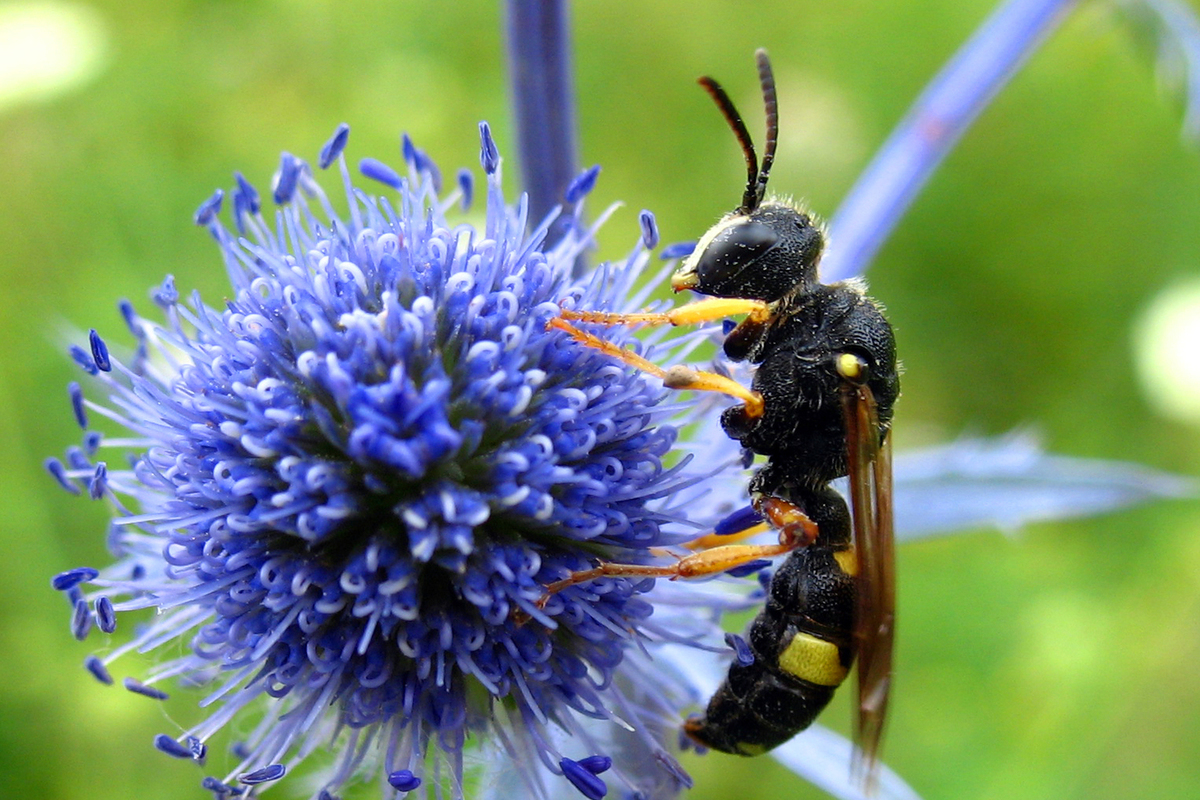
(1059, 664)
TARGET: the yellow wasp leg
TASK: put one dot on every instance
(710, 540)
(678, 377)
(690, 314)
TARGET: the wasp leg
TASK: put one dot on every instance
(677, 377)
(711, 540)
(795, 530)
(793, 525)
(788, 518)
(707, 310)
(695, 565)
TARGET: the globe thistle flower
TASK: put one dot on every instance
(347, 488)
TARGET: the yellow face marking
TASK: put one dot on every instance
(747, 749)
(686, 277)
(814, 660)
(847, 561)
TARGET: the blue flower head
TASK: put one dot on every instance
(347, 488)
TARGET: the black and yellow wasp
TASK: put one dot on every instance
(819, 408)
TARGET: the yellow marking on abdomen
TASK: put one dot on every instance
(814, 660)
(847, 561)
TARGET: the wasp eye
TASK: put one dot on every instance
(732, 249)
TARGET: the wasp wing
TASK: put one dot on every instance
(870, 472)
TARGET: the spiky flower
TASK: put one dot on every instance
(347, 488)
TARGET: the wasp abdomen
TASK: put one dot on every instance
(803, 647)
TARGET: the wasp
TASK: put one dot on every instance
(819, 408)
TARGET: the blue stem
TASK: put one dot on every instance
(931, 128)
(541, 82)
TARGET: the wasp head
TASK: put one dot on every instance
(763, 254)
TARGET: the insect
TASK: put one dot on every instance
(819, 408)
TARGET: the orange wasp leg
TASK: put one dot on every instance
(677, 377)
(795, 530)
(793, 525)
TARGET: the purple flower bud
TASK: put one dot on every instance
(332, 149)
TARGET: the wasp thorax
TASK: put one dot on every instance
(760, 255)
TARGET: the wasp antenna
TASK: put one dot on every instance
(767, 79)
(729, 110)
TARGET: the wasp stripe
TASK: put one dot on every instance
(812, 659)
